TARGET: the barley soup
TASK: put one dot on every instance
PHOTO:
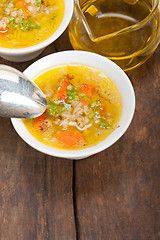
(84, 107)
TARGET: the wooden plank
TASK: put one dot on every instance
(36, 201)
(117, 193)
(35, 191)
(63, 43)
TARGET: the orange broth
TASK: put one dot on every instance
(84, 107)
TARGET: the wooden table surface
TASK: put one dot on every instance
(113, 195)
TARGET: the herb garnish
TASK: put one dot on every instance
(39, 2)
(55, 108)
(72, 94)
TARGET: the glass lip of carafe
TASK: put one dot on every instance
(133, 27)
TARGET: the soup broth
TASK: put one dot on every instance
(84, 107)
(24, 23)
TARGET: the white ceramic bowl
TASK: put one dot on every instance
(112, 70)
(28, 53)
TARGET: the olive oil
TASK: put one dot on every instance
(123, 30)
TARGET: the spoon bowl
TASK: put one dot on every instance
(19, 97)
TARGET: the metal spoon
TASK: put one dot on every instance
(19, 97)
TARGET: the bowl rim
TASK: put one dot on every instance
(47, 63)
(68, 12)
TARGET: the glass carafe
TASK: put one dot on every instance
(125, 31)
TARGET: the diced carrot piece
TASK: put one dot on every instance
(102, 109)
(88, 89)
(39, 122)
(3, 31)
(62, 91)
(83, 101)
(24, 6)
(69, 137)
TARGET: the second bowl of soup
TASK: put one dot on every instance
(28, 26)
